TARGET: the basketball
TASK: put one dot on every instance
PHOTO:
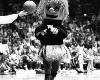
(29, 6)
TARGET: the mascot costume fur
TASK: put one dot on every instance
(51, 34)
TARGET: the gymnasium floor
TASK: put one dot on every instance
(63, 75)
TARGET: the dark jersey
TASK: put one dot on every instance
(49, 38)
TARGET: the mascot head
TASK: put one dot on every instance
(54, 9)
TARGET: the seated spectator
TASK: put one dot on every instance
(13, 61)
(80, 55)
(4, 47)
(98, 44)
(4, 50)
(15, 34)
(89, 57)
(3, 61)
(95, 49)
(73, 52)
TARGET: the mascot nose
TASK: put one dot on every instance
(51, 10)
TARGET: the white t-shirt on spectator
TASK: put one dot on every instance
(4, 48)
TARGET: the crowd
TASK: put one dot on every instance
(20, 47)
(83, 43)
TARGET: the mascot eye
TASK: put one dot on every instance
(48, 7)
(57, 8)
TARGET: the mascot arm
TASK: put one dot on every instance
(62, 32)
(39, 33)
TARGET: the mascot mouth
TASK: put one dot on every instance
(51, 16)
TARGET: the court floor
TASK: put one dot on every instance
(63, 75)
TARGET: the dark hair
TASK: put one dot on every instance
(88, 46)
(4, 41)
(1, 53)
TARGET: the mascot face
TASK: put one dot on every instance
(54, 9)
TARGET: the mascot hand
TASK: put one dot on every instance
(22, 13)
(54, 30)
(44, 32)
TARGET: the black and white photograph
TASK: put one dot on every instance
(49, 39)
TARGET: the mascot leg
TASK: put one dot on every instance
(47, 67)
(55, 68)
(80, 59)
(51, 68)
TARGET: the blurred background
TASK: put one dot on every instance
(76, 7)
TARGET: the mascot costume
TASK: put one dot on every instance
(51, 34)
